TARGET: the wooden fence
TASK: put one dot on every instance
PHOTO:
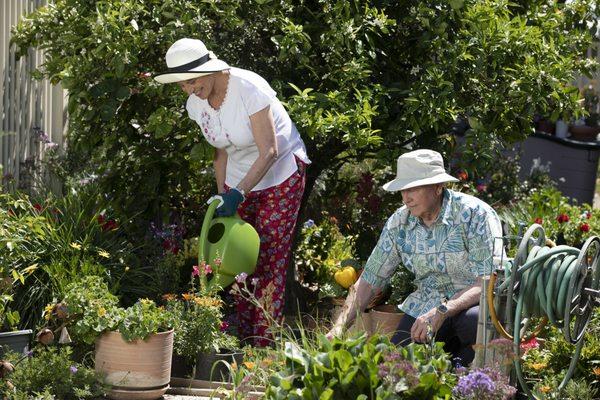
(33, 112)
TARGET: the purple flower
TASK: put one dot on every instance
(29, 353)
(73, 369)
(475, 385)
(241, 278)
(309, 223)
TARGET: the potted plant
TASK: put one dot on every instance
(589, 129)
(385, 316)
(201, 341)
(133, 346)
(10, 337)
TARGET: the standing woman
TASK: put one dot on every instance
(259, 162)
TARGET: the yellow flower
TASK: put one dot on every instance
(539, 366)
(169, 296)
(104, 254)
(48, 311)
(267, 362)
(545, 389)
(188, 296)
(76, 246)
(596, 371)
(249, 364)
(101, 311)
(146, 301)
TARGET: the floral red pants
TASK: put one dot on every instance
(273, 213)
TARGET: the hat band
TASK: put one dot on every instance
(190, 65)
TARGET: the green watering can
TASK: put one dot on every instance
(232, 240)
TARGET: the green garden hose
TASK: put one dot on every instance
(558, 283)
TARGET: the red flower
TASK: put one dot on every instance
(224, 326)
(563, 218)
(588, 214)
(584, 227)
(462, 175)
(529, 344)
(100, 219)
(538, 220)
(110, 225)
(38, 207)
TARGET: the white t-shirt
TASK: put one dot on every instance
(229, 128)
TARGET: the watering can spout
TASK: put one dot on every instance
(231, 240)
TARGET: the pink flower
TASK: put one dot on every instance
(217, 261)
(529, 344)
(224, 326)
(241, 278)
(481, 187)
(562, 218)
(195, 270)
(207, 269)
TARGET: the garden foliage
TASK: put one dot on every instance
(355, 75)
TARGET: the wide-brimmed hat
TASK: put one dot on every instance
(188, 59)
(419, 168)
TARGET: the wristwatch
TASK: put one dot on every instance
(442, 309)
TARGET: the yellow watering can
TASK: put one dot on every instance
(232, 240)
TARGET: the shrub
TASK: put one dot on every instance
(50, 373)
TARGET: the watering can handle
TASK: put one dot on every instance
(210, 212)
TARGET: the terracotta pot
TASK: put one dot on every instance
(135, 370)
(361, 324)
(385, 319)
(583, 132)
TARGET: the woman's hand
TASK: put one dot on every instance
(230, 202)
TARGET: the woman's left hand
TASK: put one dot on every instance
(231, 200)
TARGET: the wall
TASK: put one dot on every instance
(33, 112)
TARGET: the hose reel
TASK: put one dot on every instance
(556, 284)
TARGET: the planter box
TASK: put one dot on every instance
(205, 389)
(209, 366)
(573, 163)
(17, 341)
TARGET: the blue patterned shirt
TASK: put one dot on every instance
(445, 258)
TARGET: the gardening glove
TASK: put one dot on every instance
(231, 200)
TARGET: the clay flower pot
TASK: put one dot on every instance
(135, 370)
(583, 132)
(385, 319)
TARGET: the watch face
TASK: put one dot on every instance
(443, 309)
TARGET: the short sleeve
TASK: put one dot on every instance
(480, 241)
(385, 258)
(256, 96)
(193, 108)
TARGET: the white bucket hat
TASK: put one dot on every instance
(188, 59)
(419, 168)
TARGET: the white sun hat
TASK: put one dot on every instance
(187, 59)
(419, 168)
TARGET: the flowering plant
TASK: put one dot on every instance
(198, 316)
(89, 309)
(321, 251)
(482, 384)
